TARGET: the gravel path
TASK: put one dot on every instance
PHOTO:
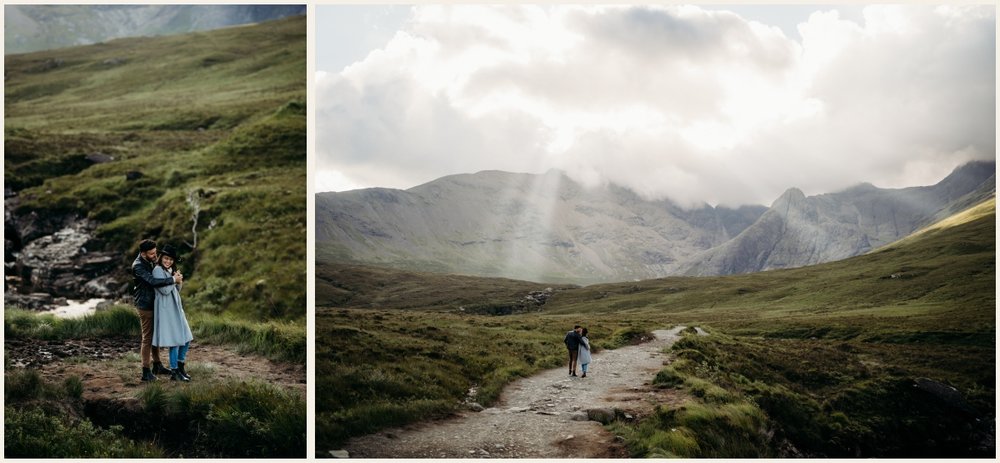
(544, 416)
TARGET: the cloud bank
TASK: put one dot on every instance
(675, 102)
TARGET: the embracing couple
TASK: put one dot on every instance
(158, 300)
(579, 350)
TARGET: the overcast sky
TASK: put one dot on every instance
(720, 104)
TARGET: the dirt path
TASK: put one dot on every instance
(544, 416)
(99, 363)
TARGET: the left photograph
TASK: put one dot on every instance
(155, 231)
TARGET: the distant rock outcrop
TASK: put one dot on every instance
(529, 227)
(798, 230)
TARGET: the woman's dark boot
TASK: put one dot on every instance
(147, 375)
(175, 375)
(158, 368)
(180, 368)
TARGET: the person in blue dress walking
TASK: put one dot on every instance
(170, 326)
(584, 356)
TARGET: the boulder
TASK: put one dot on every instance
(103, 286)
(34, 301)
(601, 415)
(476, 407)
(945, 393)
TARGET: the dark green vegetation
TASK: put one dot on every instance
(194, 140)
(42, 418)
(215, 122)
(202, 420)
(845, 359)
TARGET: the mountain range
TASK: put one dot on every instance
(30, 28)
(546, 227)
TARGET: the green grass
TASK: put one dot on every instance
(230, 419)
(218, 116)
(816, 361)
(394, 367)
(117, 321)
(700, 430)
(46, 419)
(275, 339)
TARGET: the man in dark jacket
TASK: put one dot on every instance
(143, 294)
(573, 340)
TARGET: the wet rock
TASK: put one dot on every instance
(60, 263)
(35, 301)
(104, 287)
(31, 226)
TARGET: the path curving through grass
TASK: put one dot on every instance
(542, 416)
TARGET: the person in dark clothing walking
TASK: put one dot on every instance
(573, 340)
(143, 295)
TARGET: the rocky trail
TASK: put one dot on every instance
(106, 375)
(548, 415)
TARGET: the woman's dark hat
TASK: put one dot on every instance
(169, 250)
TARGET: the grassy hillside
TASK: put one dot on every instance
(831, 360)
(215, 122)
(366, 286)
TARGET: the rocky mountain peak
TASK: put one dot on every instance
(547, 227)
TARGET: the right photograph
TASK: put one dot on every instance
(669, 231)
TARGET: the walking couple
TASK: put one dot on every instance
(161, 315)
(579, 350)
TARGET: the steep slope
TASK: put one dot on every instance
(196, 140)
(800, 230)
(532, 227)
(30, 28)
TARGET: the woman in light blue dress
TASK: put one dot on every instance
(584, 357)
(170, 326)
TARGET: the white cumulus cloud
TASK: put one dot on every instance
(678, 102)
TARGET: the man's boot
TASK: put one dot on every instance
(158, 368)
(180, 369)
(147, 375)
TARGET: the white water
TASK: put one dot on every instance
(76, 309)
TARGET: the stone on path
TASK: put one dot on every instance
(601, 415)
